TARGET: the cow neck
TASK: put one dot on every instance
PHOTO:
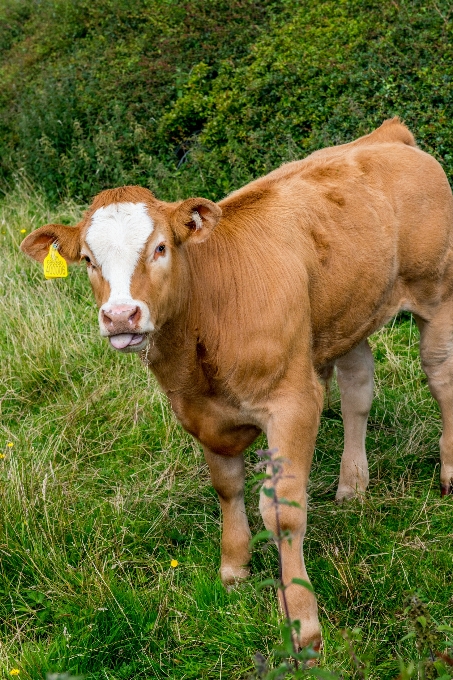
(217, 296)
(204, 333)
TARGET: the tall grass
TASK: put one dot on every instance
(102, 489)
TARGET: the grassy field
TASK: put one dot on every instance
(101, 489)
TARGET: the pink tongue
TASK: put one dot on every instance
(121, 341)
(136, 339)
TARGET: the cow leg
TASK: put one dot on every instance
(291, 432)
(436, 352)
(355, 379)
(227, 477)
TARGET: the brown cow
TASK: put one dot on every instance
(239, 307)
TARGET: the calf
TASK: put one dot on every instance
(239, 307)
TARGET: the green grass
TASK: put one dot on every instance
(102, 489)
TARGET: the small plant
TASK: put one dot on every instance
(433, 663)
(293, 663)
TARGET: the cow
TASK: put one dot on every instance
(241, 307)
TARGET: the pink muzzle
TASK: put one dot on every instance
(122, 325)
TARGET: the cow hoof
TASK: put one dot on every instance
(317, 647)
(232, 576)
(446, 489)
(348, 494)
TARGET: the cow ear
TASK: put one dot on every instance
(37, 244)
(194, 219)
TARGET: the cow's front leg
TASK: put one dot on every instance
(227, 476)
(291, 432)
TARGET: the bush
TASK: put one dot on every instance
(332, 72)
(84, 85)
(203, 96)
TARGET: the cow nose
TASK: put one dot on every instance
(124, 316)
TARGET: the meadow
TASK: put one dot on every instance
(101, 489)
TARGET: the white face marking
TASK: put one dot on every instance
(116, 236)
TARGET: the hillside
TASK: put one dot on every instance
(199, 97)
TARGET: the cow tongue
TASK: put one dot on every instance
(125, 339)
(136, 339)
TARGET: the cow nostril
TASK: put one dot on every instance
(121, 316)
(106, 318)
(134, 318)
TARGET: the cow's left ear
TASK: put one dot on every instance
(194, 219)
(37, 244)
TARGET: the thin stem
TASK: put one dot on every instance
(353, 656)
(280, 568)
(273, 478)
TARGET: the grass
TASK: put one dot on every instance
(102, 489)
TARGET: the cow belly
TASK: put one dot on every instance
(368, 298)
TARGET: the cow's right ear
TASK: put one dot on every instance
(194, 219)
(37, 244)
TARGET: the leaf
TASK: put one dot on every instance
(287, 637)
(268, 582)
(296, 626)
(261, 476)
(422, 621)
(408, 636)
(264, 535)
(303, 583)
(260, 664)
(278, 673)
(324, 675)
(292, 504)
(444, 629)
(286, 533)
(445, 657)
(268, 491)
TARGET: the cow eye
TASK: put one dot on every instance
(159, 251)
(88, 261)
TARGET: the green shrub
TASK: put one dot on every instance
(332, 72)
(84, 85)
(201, 97)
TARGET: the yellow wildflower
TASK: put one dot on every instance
(2, 455)
(14, 671)
(10, 445)
(174, 563)
(23, 231)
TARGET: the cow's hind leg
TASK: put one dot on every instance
(355, 379)
(227, 476)
(436, 352)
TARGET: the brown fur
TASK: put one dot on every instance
(303, 265)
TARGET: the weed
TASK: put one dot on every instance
(292, 660)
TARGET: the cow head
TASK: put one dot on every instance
(133, 246)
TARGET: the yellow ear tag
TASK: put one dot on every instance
(55, 266)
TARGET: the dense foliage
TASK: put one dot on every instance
(201, 96)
